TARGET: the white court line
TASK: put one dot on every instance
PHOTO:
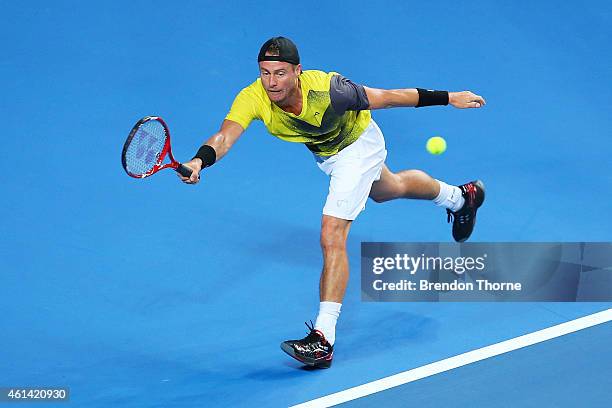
(459, 360)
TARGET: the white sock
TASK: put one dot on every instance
(450, 197)
(327, 318)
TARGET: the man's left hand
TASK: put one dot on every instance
(465, 99)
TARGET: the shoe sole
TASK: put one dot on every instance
(481, 186)
(319, 363)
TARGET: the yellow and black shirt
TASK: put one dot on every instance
(334, 112)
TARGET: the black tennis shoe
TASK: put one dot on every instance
(465, 219)
(313, 350)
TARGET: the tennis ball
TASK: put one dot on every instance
(436, 145)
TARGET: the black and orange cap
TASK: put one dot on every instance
(287, 51)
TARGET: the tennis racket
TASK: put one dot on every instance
(146, 148)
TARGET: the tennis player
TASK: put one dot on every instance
(330, 114)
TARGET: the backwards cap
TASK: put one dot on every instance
(287, 51)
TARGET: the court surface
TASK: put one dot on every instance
(151, 293)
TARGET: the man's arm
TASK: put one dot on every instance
(391, 98)
(221, 142)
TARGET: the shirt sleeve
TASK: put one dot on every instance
(345, 95)
(244, 108)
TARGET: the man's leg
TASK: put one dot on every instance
(335, 274)
(461, 202)
(317, 349)
(405, 184)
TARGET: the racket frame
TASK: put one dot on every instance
(167, 149)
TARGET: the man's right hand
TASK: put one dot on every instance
(196, 166)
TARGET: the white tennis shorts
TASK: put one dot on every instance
(352, 172)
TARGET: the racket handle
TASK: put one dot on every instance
(184, 170)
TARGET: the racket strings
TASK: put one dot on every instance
(145, 148)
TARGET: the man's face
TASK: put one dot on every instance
(279, 79)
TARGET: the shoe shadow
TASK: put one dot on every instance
(288, 371)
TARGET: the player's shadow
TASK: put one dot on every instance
(365, 336)
(290, 243)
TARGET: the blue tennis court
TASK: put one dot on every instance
(557, 373)
(152, 293)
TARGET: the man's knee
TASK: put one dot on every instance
(387, 189)
(333, 233)
(381, 198)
